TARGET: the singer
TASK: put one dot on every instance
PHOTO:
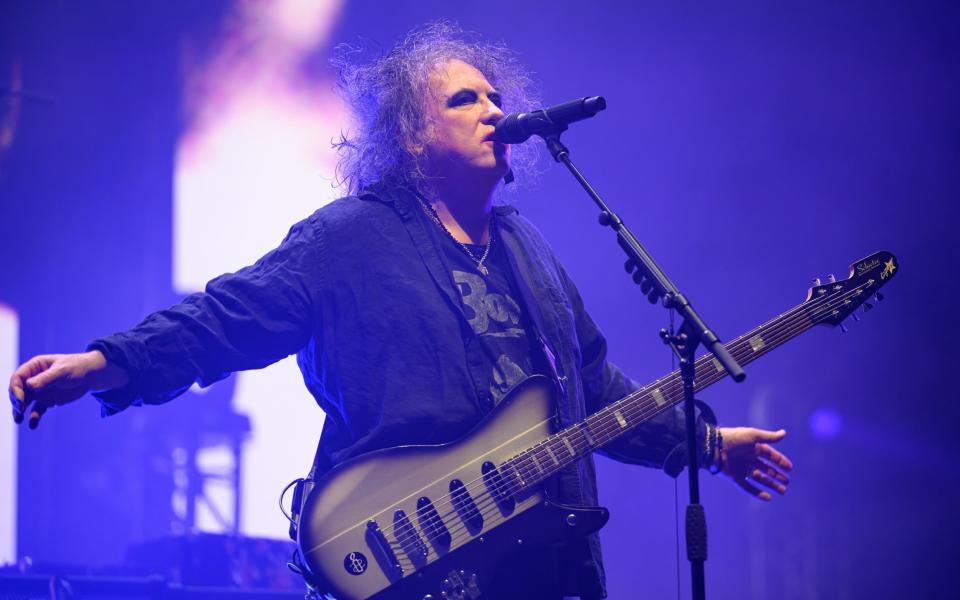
(414, 305)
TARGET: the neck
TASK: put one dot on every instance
(463, 209)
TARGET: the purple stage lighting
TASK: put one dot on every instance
(825, 423)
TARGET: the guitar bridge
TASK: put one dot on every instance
(385, 556)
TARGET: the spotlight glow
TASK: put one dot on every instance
(256, 158)
(9, 359)
(825, 423)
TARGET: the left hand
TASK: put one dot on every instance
(750, 461)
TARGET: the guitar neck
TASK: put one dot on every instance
(539, 462)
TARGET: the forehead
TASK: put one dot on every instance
(454, 74)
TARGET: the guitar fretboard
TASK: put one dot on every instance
(534, 465)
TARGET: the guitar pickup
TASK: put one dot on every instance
(466, 507)
(432, 525)
(409, 539)
(498, 488)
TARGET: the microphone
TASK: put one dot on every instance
(518, 127)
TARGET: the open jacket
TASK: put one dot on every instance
(359, 291)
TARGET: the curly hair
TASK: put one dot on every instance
(386, 96)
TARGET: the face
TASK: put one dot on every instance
(462, 109)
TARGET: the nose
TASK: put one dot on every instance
(493, 113)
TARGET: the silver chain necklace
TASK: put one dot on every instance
(432, 213)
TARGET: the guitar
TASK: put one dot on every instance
(432, 522)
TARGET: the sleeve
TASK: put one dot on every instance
(659, 442)
(243, 320)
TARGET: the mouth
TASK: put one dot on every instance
(489, 138)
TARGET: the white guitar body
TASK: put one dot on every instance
(346, 558)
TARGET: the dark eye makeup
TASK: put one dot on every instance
(464, 97)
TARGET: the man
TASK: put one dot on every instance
(413, 306)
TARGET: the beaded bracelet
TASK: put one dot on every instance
(718, 466)
(709, 443)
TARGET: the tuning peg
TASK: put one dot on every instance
(831, 278)
(867, 306)
(816, 282)
(879, 297)
(854, 315)
(843, 328)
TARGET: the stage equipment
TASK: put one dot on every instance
(518, 127)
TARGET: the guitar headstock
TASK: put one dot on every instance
(834, 301)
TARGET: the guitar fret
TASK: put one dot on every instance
(620, 420)
(553, 457)
(585, 430)
(658, 397)
(536, 463)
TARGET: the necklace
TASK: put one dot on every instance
(432, 213)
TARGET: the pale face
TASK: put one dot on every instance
(463, 109)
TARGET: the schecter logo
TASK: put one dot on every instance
(867, 265)
(888, 268)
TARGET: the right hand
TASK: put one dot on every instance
(54, 379)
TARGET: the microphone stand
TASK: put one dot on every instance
(655, 284)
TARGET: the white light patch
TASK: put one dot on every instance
(240, 187)
(255, 159)
(9, 353)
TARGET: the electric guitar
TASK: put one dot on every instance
(433, 522)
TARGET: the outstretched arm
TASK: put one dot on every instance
(244, 320)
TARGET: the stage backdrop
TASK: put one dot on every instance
(752, 146)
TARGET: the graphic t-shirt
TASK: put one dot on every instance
(491, 305)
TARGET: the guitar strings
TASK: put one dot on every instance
(786, 327)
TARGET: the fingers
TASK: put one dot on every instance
(17, 398)
(35, 413)
(772, 471)
(762, 435)
(774, 456)
(753, 490)
(41, 380)
(28, 378)
(768, 477)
